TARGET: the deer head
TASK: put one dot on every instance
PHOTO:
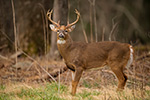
(62, 30)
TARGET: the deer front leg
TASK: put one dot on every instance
(75, 80)
(73, 75)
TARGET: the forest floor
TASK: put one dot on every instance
(29, 79)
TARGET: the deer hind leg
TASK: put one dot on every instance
(122, 78)
(75, 80)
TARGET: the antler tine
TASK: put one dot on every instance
(78, 15)
(49, 14)
(59, 22)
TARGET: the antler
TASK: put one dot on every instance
(49, 14)
(78, 15)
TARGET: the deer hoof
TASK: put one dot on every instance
(119, 89)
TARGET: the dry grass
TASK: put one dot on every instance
(95, 84)
(23, 91)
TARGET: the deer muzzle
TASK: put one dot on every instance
(61, 35)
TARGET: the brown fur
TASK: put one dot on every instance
(81, 56)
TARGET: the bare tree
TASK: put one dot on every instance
(60, 14)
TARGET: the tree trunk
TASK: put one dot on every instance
(6, 23)
(60, 13)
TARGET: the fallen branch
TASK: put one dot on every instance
(137, 78)
(18, 53)
(55, 74)
(3, 46)
(143, 57)
(5, 58)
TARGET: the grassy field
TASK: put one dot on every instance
(54, 91)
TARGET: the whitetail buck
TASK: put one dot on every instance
(80, 56)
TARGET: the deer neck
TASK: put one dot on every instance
(64, 45)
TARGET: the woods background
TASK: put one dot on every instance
(131, 20)
(30, 65)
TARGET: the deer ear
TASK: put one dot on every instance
(53, 27)
(71, 28)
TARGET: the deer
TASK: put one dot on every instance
(81, 56)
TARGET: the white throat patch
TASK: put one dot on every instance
(61, 41)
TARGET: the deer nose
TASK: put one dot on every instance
(61, 36)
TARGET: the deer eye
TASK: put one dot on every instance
(57, 30)
(66, 31)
